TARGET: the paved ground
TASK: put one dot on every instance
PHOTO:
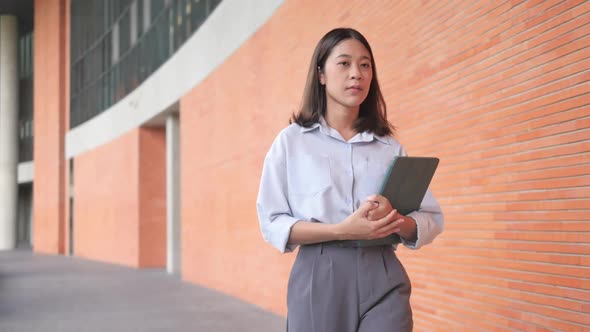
(59, 293)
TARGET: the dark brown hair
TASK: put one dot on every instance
(372, 111)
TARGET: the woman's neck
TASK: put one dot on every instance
(342, 119)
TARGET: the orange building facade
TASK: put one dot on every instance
(498, 90)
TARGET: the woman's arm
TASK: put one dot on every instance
(274, 212)
(356, 227)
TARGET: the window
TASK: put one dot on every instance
(117, 44)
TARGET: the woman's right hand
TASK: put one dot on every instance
(357, 226)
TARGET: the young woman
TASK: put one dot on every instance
(318, 191)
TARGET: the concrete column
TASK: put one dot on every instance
(8, 130)
(173, 237)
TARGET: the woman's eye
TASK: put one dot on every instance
(343, 63)
(366, 65)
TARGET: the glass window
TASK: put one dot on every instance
(198, 13)
(139, 16)
(28, 56)
(116, 44)
(156, 7)
(124, 33)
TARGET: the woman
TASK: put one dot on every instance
(318, 190)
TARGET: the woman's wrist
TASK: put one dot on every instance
(339, 231)
(409, 230)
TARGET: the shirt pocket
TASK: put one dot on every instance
(308, 174)
(374, 175)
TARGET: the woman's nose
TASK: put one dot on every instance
(355, 72)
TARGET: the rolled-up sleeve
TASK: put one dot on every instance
(429, 222)
(274, 213)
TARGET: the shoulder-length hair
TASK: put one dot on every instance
(372, 112)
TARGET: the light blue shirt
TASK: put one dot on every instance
(313, 174)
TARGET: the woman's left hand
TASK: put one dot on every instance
(408, 229)
(382, 209)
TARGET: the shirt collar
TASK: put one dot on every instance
(362, 137)
(369, 137)
(313, 126)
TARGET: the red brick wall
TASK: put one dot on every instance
(50, 95)
(498, 90)
(510, 105)
(120, 200)
(152, 197)
(106, 200)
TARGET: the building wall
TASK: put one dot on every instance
(49, 193)
(233, 21)
(498, 90)
(119, 201)
(148, 105)
(106, 218)
(152, 197)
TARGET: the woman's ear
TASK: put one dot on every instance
(321, 76)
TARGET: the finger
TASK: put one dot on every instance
(366, 207)
(376, 198)
(391, 225)
(391, 228)
(377, 213)
(398, 215)
(385, 220)
(376, 210)
(372, 198)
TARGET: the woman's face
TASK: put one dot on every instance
(347, 75)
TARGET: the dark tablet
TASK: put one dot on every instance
(406, 182)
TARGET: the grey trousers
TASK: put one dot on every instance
(335, 289)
